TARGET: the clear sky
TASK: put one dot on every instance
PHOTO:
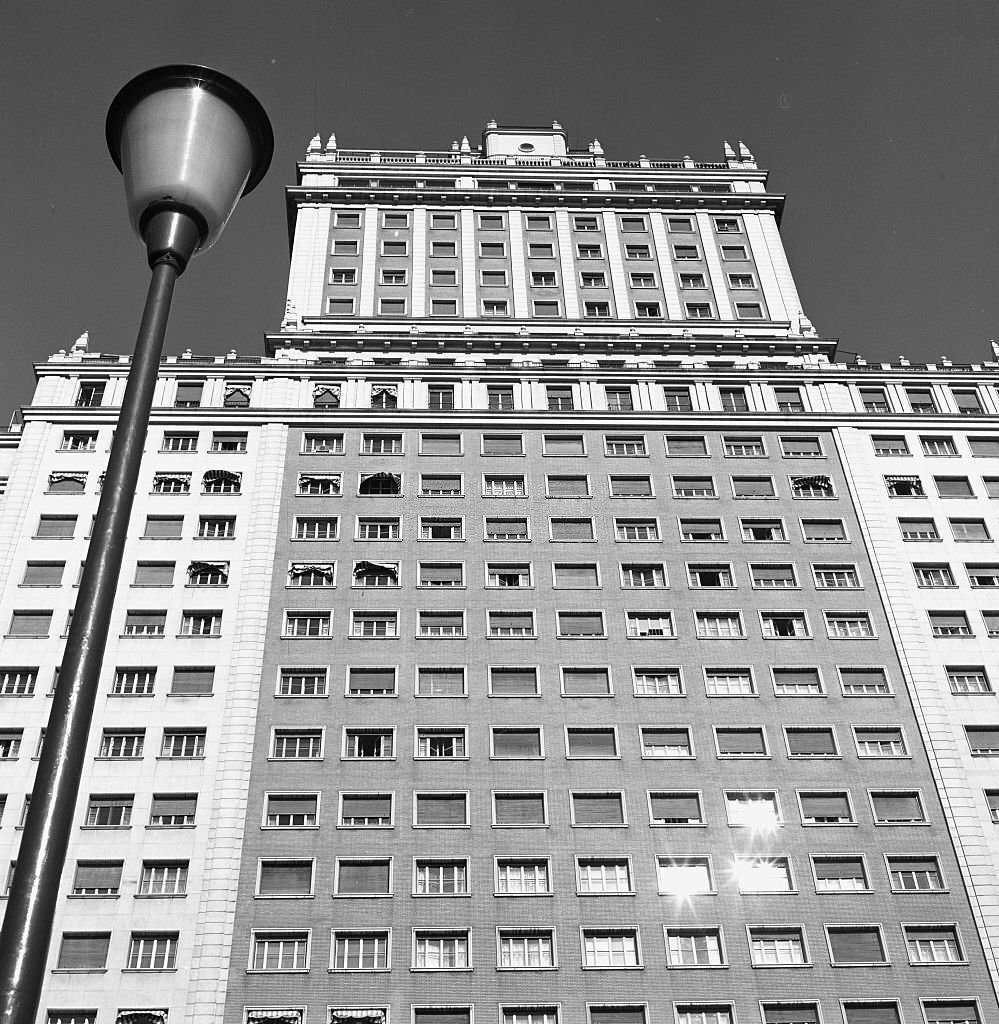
(878, 118)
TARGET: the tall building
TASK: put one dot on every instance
(547, 629)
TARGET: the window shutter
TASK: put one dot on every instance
(811, 741)
(676, 808)
(568, 444)
(56, 526)
(372, 678)
(984, 446)
(600, 809)
(174, 805)
(192, 681)
(502, 444)
(581, 623)
(741, 741)
(517, 743)
(572, 529)
(796, 676)
(586, 681)
(753, 487)
(617, 1015)
(83, 951)
(520, 809)
(441, 809)
(440, 573)
(441, 444)
(363, 877)
(97, 876)
(679, 446)
(863, 676)
(440, 620)
(514, 682)
(567, 486)
(286, 878)
(508, 527)
(846, 867)
(866, 735)
(827, 805)
(441, 1016)
(872, 1013)
(856, 945)
(576, 575)
(982, 738)
(30, 623)
(591, 743)
(897, 807)
(367, 806)
(510, 620)
(951, 1012)
(666, 737)
(799, 1013)
(44, 574)
(292, 805)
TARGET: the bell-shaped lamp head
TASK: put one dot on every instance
(189, 142)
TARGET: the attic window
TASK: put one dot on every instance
(526, 147)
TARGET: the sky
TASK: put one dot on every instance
(879, 119)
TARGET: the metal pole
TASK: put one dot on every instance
(34, 894)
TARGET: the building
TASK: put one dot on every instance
(540, 632)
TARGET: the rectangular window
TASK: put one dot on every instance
(983, 740)
(440, 682)
(890, 445)
(365, 810)
(950, 624)
(371, 528)
(440, 810)
(108, 811)
(163, 527)
(887, 741)
(291, 810)
(316, 528)
(694, 947)
(968, 679)
(685, 445)
(371, 682)
(83, 951)
(441, 574)
(719, 625)
(441, 624)
(18, 682)
(636, 530)
(279, 951)
(855, 945)
(611, 948)
(34, 623)
(960, 1011)
(122, 743)
(784, 625)
(591, 743)
(586, 682)
(921, 400)
(152, 952)
(163, 878)
(675, 808)
(173, 810)
(368, 743)
(374, 624)
(503, 444)
(897, 807)
(840, 874)
(217, 527)
(510, 624)
(499, 574)
(969, 530)
(701, 530)
(440, 878)
(666, 742)
(580, 624)
(78, 441)
(650, 624)
(777, 947)
(440, 951)
(918, 530)
(643, 576)
(849, 625)
(360, 951)
(734, 399)
(520, 808)
(434, 743)
(297, 745)
(513, 682)
(525, 950)
(693, 487)
(729, 682)
(144, 623)
(658, 682)
(622, 446)
(571, 529)
(736, 741)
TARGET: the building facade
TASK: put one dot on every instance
(546, 629)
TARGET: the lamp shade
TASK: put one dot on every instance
(189, 140)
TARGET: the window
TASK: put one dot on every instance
(953, 487)
(382, 528)
(692, 281)
(163, 878)
(542, 278)
(853, 945)
(440, 951)
(603, 876)
(122, 743)
(217, 527)
(83, 951)
(442, 307)
(649, 624)
(371, 682)
(787, 399)
(733, 399)
(719, 625)
(992, 802)
(619, 399)
(743, 447)
(172, 483)
(381, 444)
(297, 745)
(799, 447)
(201, 623)
(658, 682)
(701, 530)
(316, 528)
(308, 574)
(441, 574)
(191, 681)
(777, 947)
(500, 397)
(580, 624)
(677, 399)
(898, 807)
(513, 682)
(938, 445)
(864, 682)
(152, 952)
(849, 625)
(500, 574)
(840, 874)
(163, 527)
(365, 810)
(950, 624)
(880, 742)
(291, 810)
(360, 951)
(643, 576)
(347, 275)
(540, 250)
(753, 487)
(812, 487)
(643, 280)
(571, 529)
(767, 576)
(313, 484)
(441, 624)
(503, 486)
(492, 250)
(90, 394)
(589, 252)
(66, 483)
(710, 576)
(611, 948)
(797, 682)
(440, 682)
(828, 531)
(636, 530)
(969, 530)
(510, 624)
(621, 445)
(368, 743)
(106, 811)
(207, 574)
(890, 445)
(231, 443)
(736, 741)
(693, 487)
(591, 743)
(586, 682)
(520, 877)
(440, 810)
(968, 679)
(685, 252)
(675, 809)
(983, 575)
(144, 623)
(983, 740)
(279, 951)
(729, 682)
(962, 1011)
(33, 623)
(373, 624)
(921, 400)
(18, 682)
(525, 950)
(441, 878)
(759, 811)
(440, 743)
(684, 876)
(699, 947)
(173, 442)
(759, 874)
(825, 807)
(78, 441)
(638, 252)
(43, 574)
(784, 625)
(596, 309)
(666, 741)
(173, 810)
(918, 530)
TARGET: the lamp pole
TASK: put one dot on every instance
(189, 142)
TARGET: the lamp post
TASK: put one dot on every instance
(189, 142)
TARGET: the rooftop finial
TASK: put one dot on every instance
(315, 145)
(729, 152)
(556, 126)
(82, 343)
(491, 123)
(331, 142)
(465, 147)
(744, 154)
(598, 150)
(454, 145)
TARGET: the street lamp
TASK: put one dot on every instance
(189, 142)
